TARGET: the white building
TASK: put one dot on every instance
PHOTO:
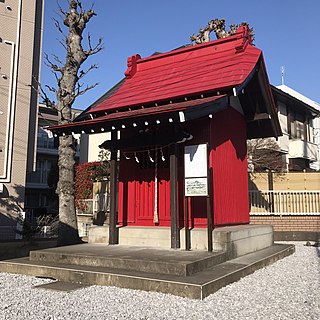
(20, 48)
(300, 123)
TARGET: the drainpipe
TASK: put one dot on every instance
(12, 101)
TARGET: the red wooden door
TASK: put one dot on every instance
(140, 200)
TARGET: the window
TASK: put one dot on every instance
(298, 164)
(310, 131)
(298, 126)
(44, 167)
(283, 114)
(41, 174)
(36, 200)
(282, 109)
(32, 200)
(44, 140)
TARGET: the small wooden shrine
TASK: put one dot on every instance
(179, 122)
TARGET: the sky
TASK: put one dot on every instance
(287, 31)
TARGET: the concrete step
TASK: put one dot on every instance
(145, 259)
(196, 286)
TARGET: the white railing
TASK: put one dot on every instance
(100, 202)
(86, 207)
(284, 202)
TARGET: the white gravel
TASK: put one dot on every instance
(288, 289)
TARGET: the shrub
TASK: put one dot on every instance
(85, 175)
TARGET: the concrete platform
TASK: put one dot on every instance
(236, 240)
(152, 260)
(190, 279)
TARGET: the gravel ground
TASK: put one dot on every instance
(288, 289)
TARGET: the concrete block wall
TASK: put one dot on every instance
(301, 223)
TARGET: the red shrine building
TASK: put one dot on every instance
(214, 94)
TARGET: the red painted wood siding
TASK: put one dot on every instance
(227, 135)
(230, 170)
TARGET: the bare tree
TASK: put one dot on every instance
(264, 154)
(219, 28)
(68, 75)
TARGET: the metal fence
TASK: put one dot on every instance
(100, 202)
(90, 212)
(293, 202)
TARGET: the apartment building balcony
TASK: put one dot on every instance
(283, 142)
(48, 147)
(35, 185)
(48, 151)
(302, 149)
(37, 180)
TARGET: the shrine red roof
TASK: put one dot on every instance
(210, 67)
(190, 82)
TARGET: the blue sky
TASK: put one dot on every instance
(287, 31)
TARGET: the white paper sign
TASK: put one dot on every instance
(195, 187)
(196, 170)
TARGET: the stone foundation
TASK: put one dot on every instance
(236, 240)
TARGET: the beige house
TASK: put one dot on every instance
(300, 123)
(299, 145)
(291, 201)
(20, 51)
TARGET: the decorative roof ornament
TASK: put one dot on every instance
(218, 26)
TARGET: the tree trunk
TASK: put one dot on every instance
(68, 75)
(68, 229)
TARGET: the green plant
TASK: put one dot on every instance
(28, 228)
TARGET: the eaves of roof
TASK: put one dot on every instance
(297, 99)
(119, 120)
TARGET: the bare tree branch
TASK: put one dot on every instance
(80, 6)
(57, 59)
(264, 154)
(52, 65)
(46, 100)
(93, 50)
(57, 25)
(52, 89)
(218, 26)
(82, 73)
(63, 44)
(80, 92)
(61, 9)
(43, 95)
